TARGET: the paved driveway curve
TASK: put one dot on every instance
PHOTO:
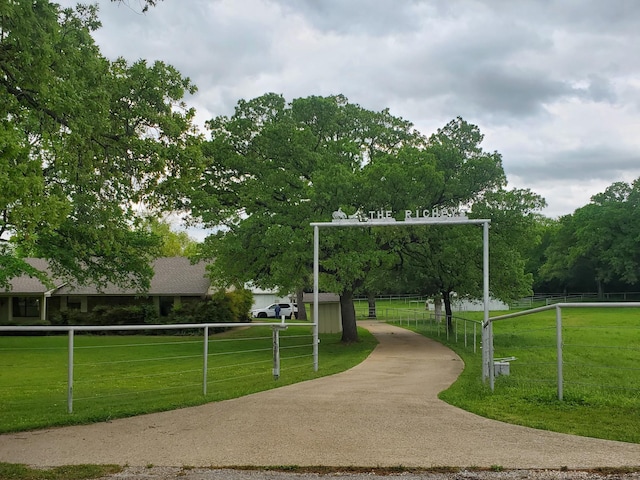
(383, 412)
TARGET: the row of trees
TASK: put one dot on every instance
(86, 141)
(596, 248)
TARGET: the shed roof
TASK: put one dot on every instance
(322, 298)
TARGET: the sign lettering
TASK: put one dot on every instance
(383, 215)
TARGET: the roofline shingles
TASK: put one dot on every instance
(173, 276)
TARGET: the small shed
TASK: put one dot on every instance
(329, 314)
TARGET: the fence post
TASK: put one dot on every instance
(455, 327)
(70, 374)
(205, 361)
(475, 336)
(559, 350)
(465, 333)
(276, 350)
(316, 280)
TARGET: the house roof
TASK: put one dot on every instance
(30, 285)
(172, 276)
(178, 276)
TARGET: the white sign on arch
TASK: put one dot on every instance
(385, 218)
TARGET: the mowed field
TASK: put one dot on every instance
(124, 375)
(117, 376)
(600, 369)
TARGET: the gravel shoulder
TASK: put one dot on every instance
(173, 473)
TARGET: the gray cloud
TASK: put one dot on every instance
(360, 17)
(555, 85)
(601, 162)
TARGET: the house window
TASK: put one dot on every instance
(26, 307)
(74, 304)
(78, 303)
(166, 305)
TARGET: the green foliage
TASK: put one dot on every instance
(275, 166)
(82, 141)
(241, 303)
(124, 315)
(172, 244)
(597, 244)
(70, 317)
(437, 261)
(109, 315)
(223, 307)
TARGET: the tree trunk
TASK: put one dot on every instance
(349, 328)
(302, 311)
(437, 308)
(371, 298)
(447, 310)
(600, 289)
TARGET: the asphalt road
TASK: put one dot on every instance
(383, 412)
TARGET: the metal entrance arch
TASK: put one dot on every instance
(487, 327)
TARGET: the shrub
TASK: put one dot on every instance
(223, 307)
(241, 303)
(123, 315)
(70, 317)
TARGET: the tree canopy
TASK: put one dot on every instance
(83, 140)
(273, 167)
(438, 261)
(598, 242)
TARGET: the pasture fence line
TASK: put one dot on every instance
(558, 343)
(274, 347)
(544, 299)
(462, 330)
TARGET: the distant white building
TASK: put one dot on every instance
(263, 298)
(471, 305)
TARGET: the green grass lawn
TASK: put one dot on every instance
(12, 471)
(601, 373)
(119, 376)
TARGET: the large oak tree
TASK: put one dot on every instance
(83, 141)
(438, 261)
(276, 166)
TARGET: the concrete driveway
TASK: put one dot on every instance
(383, 412)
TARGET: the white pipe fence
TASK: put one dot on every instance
(71, 330)
(468, 330)
(559, 342)
(463, 329)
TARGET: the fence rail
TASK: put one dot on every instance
(553, 298)
(87, 368)
(462, 330)
(582, 350)
(547, 351)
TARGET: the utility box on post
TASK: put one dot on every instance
(502, 366)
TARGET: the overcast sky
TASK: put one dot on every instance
(553, 84)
